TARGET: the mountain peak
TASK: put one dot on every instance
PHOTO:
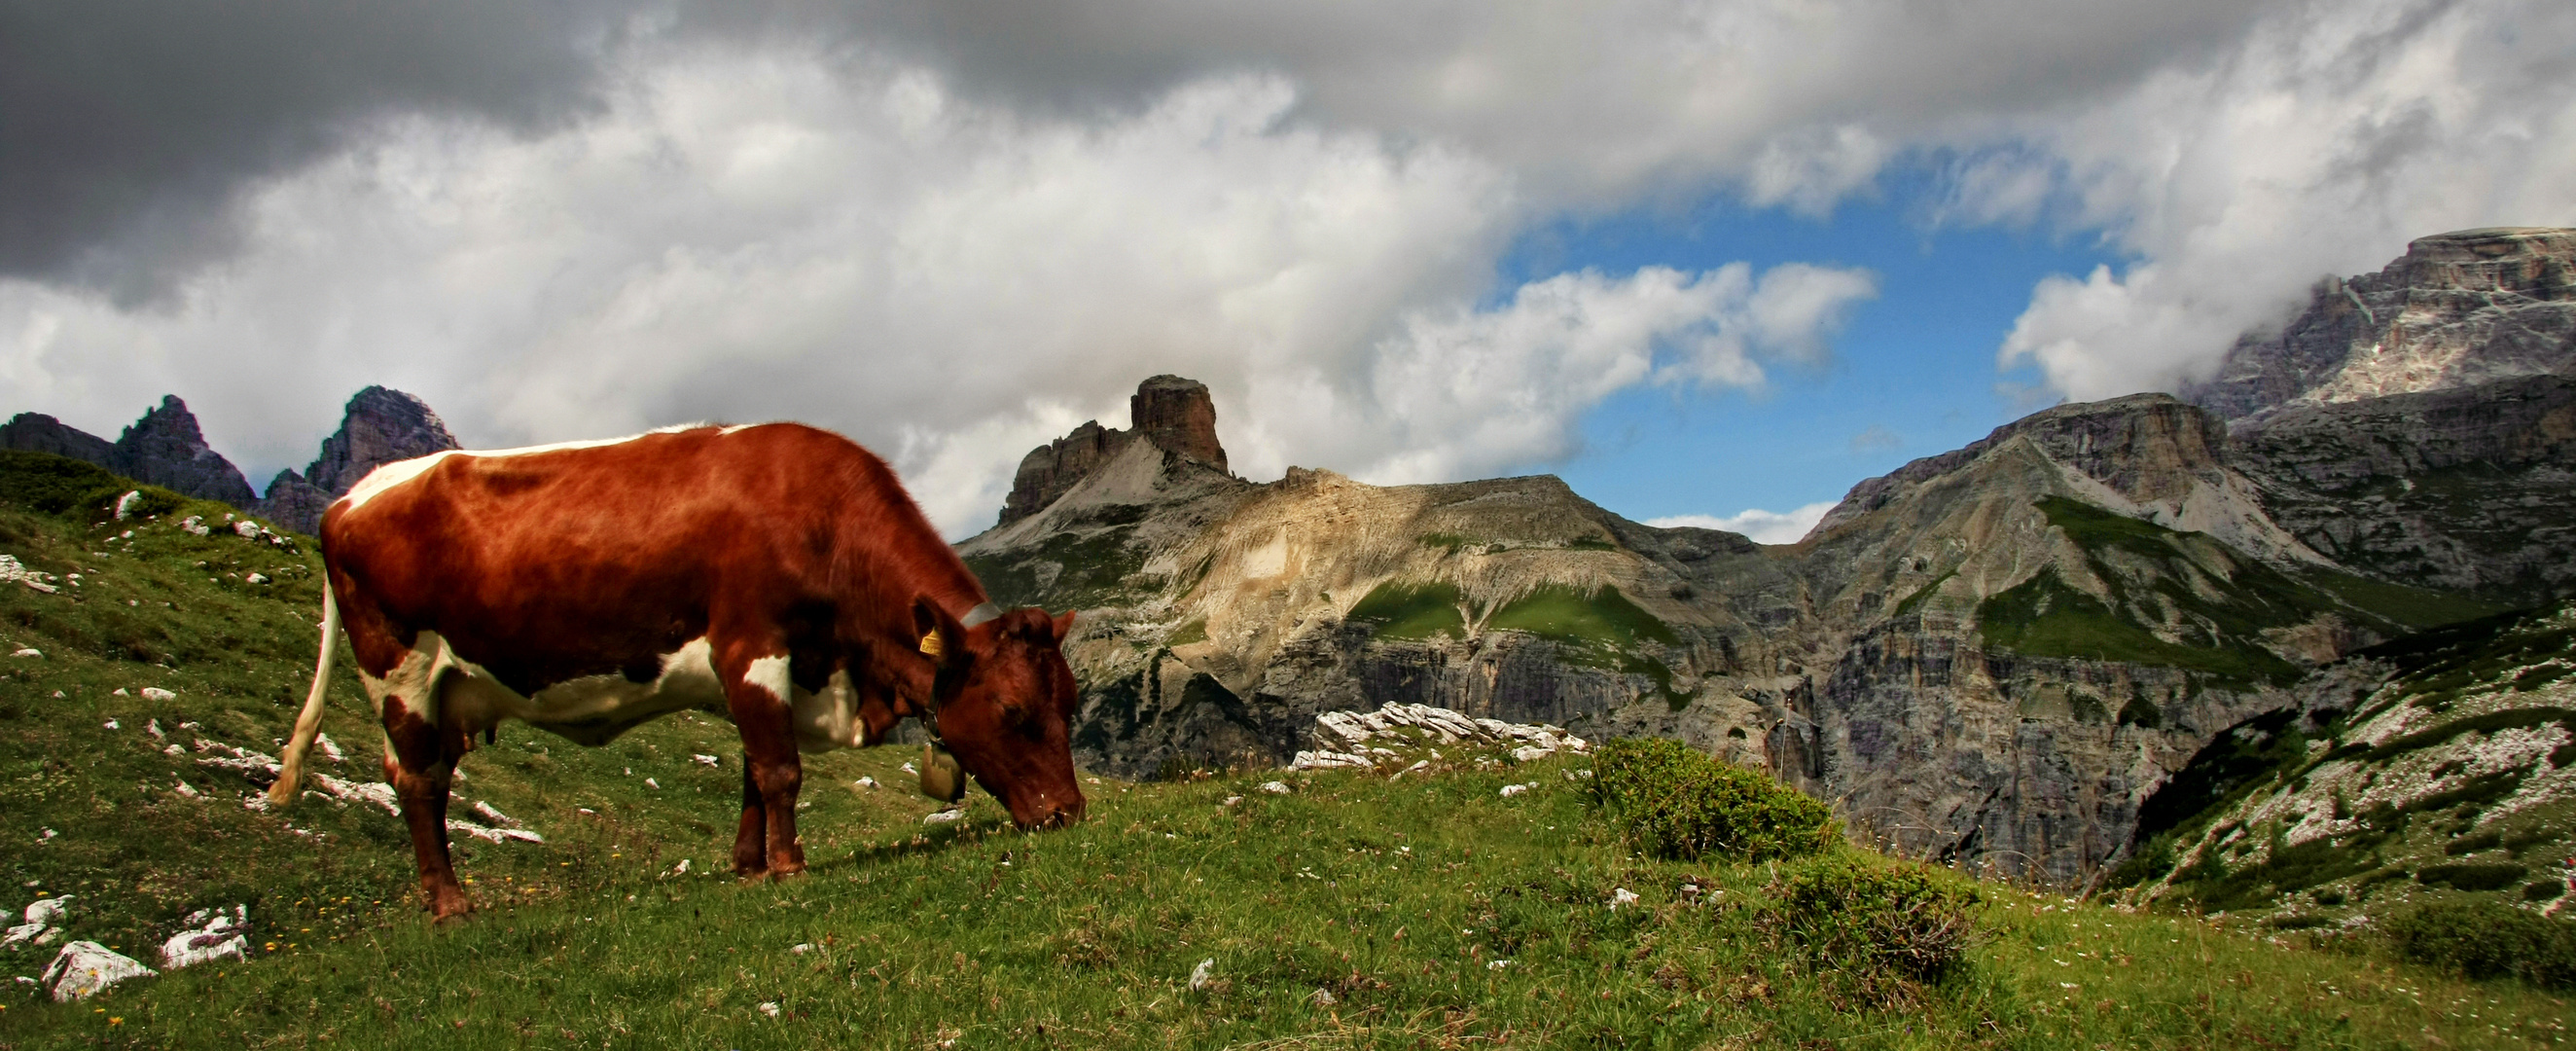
(1168, 412)
(2457, 310)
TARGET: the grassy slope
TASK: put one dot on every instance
(1394, 898)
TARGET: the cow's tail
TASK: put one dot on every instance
(291, 766)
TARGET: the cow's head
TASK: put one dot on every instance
(1005, 702)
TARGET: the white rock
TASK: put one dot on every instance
(1202, 974)
(1497, 965)
(650, 783)
(153, 727)
(120, 692)
(1513, 790)
(27, 652)
(155, 693)
(11, 571)
(706, 759)
(1276, 788)
(247, 529)
(867, 782)
(185, 788)
(22, 934)
(125, 506)
(1530, 753)
(111, 724)
(46, 910)
(256, 578)
(1621, 896)
(943, 817)
(174, 751)
(330, 749)
(1330, 760)
(1323, 998)
(492, 835)
(85, 968)
(490, 813)
(195, 526)
(801, 948)
(910, 769)
(681, 869)
(1231, 800)
(224, 937)
(769, 1007)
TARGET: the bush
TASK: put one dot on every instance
(2472, 876)
(2487, 939)
(1877, 926)
(1674, 802)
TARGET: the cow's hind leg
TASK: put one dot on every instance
(757, 691)
(751, 837)
(421, 763)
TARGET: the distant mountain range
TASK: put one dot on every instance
(1997, 656)
(166, 448)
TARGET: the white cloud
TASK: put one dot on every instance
(1462, 393)
(1764, 527)
(949, 231)
(2319, 144)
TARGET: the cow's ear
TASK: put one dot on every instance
(1063, 626)
(943, 640)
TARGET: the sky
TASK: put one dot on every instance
(1712, 262)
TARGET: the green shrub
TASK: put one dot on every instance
(1877, 926)
(2471, 876)
(1675, 802)
(2487, 939)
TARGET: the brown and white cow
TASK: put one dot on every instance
(777, 574)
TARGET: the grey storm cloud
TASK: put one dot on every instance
(127, 128)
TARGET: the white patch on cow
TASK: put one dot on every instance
(830, 719)
(448, 690)
(770, 673)
(393, 474)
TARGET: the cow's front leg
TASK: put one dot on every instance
(421, 764)
(758, 696)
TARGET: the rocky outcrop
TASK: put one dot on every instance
(379, 426)
(1168, 413)
(2459, 309)
(164, 448)
(39, 433)
(2469, 490)
(2437, 768)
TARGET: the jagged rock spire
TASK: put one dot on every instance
(380, 426)
(1168, 412)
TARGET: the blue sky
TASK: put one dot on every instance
(1682, 253)
(1912, 371)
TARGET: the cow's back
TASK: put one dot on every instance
(558, 562)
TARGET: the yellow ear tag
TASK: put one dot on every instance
(930, 644)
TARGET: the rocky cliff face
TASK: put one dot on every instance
(165, 448)
(38, 433)
(1994, 655)
(1168, 413)
(2471, 490)
(379, 426)
(2459, 309)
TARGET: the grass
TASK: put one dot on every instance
(1394, 901)
(2210, 603)
(1602, 617)
(1409, 611)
